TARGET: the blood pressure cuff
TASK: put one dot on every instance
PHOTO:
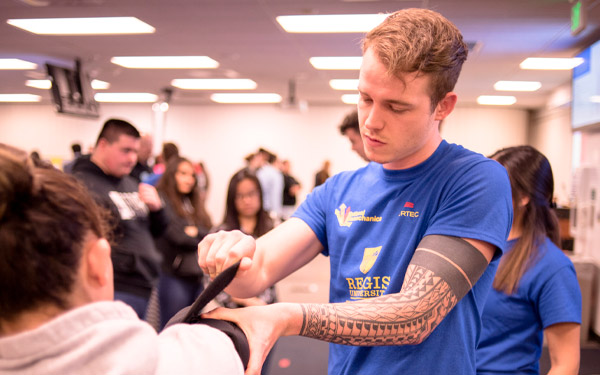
(191, 314)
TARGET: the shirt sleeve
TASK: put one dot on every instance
(477, 205)
(312, 211)
(197, 349)
(559, 298)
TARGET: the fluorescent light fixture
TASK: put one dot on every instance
(100, 85)
(19, 98)
(542, 63)
(165, 62)
(246, 98)
(595, 99)
(350, 98)
(344, 84)
(83, 26)
(517, 86)
(16, 64)
(214, 84)
(496, 100)
(336, 63)
(43, 84)
(125, 97)
(46, 84)
(330, 23)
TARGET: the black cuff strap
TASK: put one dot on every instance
(191, 314)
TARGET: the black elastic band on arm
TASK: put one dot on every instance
(455, 260)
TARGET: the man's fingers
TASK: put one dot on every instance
(220, 250)
(203, 248)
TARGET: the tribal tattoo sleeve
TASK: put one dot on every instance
(442, 271)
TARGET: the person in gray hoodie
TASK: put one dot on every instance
(57, 310)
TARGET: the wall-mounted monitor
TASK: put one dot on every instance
(72, 91)
(585, 109)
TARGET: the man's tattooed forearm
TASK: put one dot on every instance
(407, 317)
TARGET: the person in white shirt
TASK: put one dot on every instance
(58, 314)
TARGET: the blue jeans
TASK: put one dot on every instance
(138, 303)
(174, 294)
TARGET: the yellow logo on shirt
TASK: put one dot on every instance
(369, 257)
(368, 286)
(345, 216)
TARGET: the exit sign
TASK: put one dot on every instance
(578, 19)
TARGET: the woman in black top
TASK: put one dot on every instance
(181, 279)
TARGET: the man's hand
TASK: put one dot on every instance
(149, 196)
(262, 326)
(217, 251)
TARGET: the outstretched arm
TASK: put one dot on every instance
(442, 271)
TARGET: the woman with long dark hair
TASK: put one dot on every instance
(181, 279)
(244, 211)
(535, 291)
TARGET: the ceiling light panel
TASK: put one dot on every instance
(45, 84)
(165, 62)
(16, 64)
(100, 85)
(21, 98)
(251, 98)
(541, 63)
(344, 84)
(496, 100)
(83, 26)
(332, 23)
(125, 97)
(214, 84)
(350, 98)
(517, 86)
(336, 63)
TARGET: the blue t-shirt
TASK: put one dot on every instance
(513, 325)
(370, 222)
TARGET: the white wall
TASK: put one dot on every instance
(486, 129)
(221, 136)
(551, 134)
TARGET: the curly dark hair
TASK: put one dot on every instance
(45, 218)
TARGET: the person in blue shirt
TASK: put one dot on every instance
(414, 237)
(535, 291)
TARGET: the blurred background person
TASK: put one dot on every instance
(535, 291)
(244, 211)
(181, 277)
(349, 128)
(323, 174)
(169, 150)
(142, 169)
(137, 215)
(68, 165)
(271, 182)
(291, 188)
(203, 179)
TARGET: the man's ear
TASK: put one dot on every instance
(445, 106)
(98, 268)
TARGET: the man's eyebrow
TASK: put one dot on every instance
(400, 103)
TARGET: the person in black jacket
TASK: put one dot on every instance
(136, 211)
(181, 279)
